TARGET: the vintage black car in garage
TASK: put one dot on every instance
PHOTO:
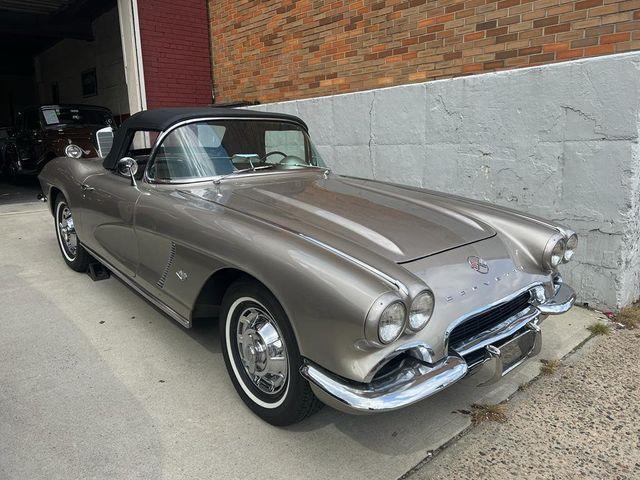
(45, 132)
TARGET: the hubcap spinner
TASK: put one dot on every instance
(262, 350)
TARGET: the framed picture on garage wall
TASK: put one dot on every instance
(89, 83)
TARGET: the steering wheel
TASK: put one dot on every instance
(274, 152)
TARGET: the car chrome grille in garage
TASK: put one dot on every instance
(104, 139)
(489, 318)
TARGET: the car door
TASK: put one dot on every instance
(29, 138)
(106, 215)
(105, 219)
(169, 266)
(166, 267)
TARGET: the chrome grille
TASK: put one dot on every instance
(488, 319)
(104, 138)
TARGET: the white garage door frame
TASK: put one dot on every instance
(132, 54)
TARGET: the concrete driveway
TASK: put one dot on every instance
(96, 383)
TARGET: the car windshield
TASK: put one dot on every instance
(209, 149)
(77, 116)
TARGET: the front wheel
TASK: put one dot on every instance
(73, 253)
(262, 356)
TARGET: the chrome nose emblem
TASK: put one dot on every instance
(478, 264)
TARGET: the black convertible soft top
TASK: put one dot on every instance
(161, 119)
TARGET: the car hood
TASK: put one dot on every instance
(350, 215)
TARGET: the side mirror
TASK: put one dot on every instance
(128, 167)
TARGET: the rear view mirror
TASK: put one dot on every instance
(104, 140)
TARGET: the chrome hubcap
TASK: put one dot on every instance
(262, 350)
(68, 231)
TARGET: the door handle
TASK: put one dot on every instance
(86, 188)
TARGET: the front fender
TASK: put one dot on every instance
(57, 177)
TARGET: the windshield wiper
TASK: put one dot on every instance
(242, 170)
(326, 170)
(305, 165)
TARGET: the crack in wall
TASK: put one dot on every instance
(441, 101)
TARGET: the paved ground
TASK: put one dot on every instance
(96, 383)
(581, 422)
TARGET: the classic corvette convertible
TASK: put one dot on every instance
(363, 295)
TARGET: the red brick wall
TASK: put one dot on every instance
(276, 50)
(175, 52)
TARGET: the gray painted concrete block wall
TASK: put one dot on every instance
(560, 141)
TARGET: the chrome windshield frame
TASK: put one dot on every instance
(163, 135)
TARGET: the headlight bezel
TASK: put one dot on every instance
(374, 317)
(73, 146)
(571, 244)
(426, 292)
(556, 240)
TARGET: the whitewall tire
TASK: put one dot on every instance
(73, 253)
(262, 356)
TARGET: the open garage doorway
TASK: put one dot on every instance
(62, 60)
(62, 57)
(86, 69)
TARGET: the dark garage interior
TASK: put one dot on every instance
(56, 52)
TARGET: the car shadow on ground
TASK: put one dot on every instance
(204, 330)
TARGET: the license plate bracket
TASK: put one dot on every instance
(503, 357)
(517, 350)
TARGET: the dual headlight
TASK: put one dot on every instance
(559, 249)
(389, 318)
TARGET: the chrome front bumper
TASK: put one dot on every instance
(414, 379)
